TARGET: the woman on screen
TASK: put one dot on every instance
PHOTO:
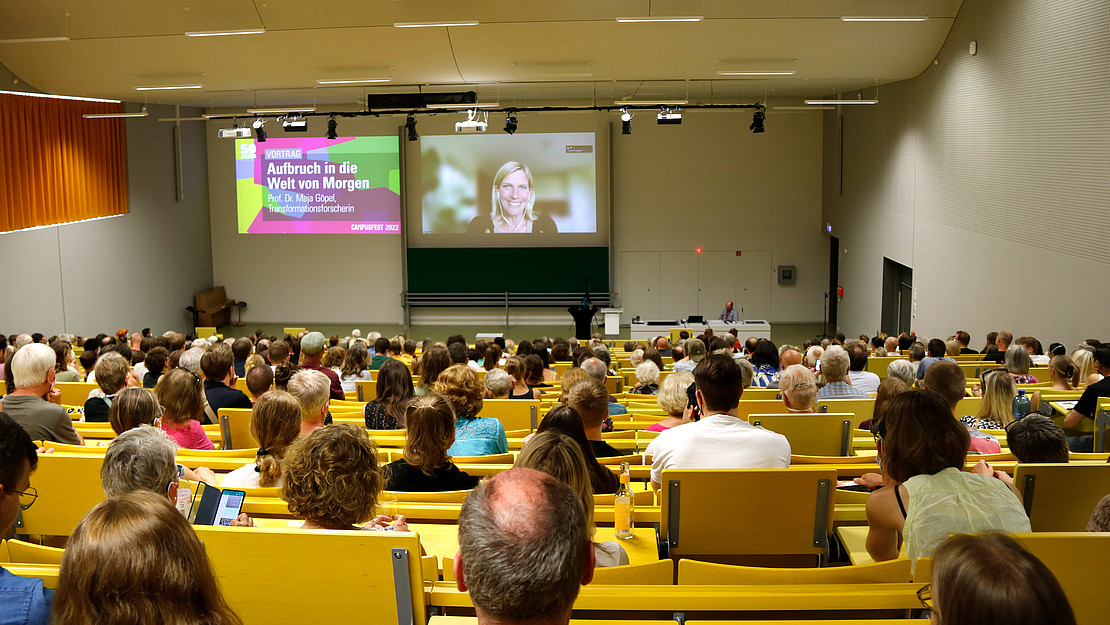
(513, 205)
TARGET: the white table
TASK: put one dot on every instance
(745, 329)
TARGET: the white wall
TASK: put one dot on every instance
(988, 175)
(708, 182)
(136, 270)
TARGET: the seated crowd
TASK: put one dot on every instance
(158, 392)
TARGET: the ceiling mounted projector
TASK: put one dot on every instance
(475, 122)
(235, 132)
(669, 116)
(295, 124)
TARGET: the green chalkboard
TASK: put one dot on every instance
(501, 269)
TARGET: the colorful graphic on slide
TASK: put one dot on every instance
(348, 185)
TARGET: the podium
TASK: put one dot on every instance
(612, 318)
(583, 317)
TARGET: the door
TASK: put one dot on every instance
(639, 285)
(897, 297)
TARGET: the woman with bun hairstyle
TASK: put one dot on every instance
(275, 425)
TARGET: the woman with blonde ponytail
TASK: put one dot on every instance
(275, 425)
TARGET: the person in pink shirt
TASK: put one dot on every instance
(673, 399)
(181, 394)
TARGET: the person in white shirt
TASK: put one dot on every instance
(860, 377)
(720, 440)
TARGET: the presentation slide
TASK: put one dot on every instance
(311, 185)
(516, 185)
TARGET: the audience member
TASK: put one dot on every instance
(524, 549)
(331, 480)
(647, 376)
(1037, 438)
(674, 400)
(567, 421)
(434, 361)
(996, 410)
(381, 353)
(1100, 518)
(157, 362)
(834, 367)
(590, 399)
(989, 579)
(1018, 362)
(924, 450)
(181, 395)
(964, 339)
(950, 382)
(311, 390)
(518, 374)
(903, 370)
(260, 379)
(64, 366)
(799, 389)
(557, 455)
(788, 355)
(694, 351)
(394, 391)
(312, 353)
(474, 435)
(278, 353)
(720, 440)
(936, 350)
(32, 371)
(275, 424)
(135, 559)
(111, 377)
(240, 349)
(860, 377)
(219, 383)
(498, 384)
(142, 458)
(24, 599)
(425, 465)
(765, 361)
(354, 367)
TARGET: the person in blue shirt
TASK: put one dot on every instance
(22, 599)
(728, 315)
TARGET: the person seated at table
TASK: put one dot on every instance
(181, 395)
(798, 387)
(990, 579)
(568, 421)
(570, 378)
(1037, 438)
(923, 452)
(474, 435)
(425, 465)
(332, 480)
(312, 391)
(647, 379)
(275, 424)
(557, 455)
(996, 410)
(903, 370)
(134, 406)
(23, 600)
(674, 400)
(111, 376)
(1018, 362)
(498, 384)
(135, 559)
(1064, 375)
(434, 361)
(354, 367)
(518, 373)
(395, 391)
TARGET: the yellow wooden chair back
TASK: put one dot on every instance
(514, 414)
(786, 514)
(709, 573)
(366, 390)
(372, 577)
(660, 573)
(68, 485)
(1061, 497)
(75, 393)
(235, 429)
(811, 434)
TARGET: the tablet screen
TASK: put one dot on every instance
(231, 502)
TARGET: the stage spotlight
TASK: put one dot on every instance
(410, 127)
(669, 116)
(626, 122)
(332, 134)
(510, 124)
(259, 131)
(757, 120)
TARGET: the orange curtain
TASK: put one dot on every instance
(56, 166)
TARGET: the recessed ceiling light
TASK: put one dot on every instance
(670, 18)
(434, 24)
(837, 102)
(848, 18)
(222, 33)
(167, 87)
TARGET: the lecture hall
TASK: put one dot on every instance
(474, 312)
